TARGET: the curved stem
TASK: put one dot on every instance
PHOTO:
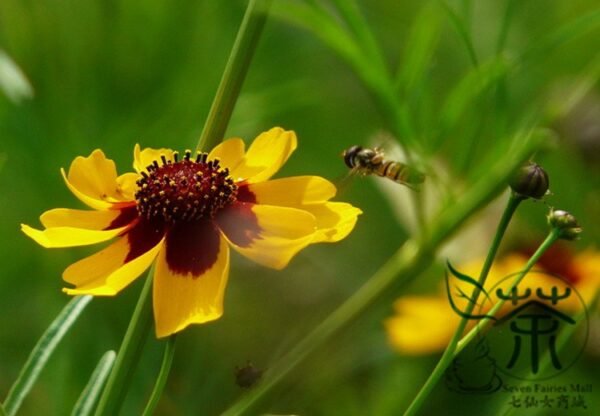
(165, 368)
(129, 353)
(234, 74)
(448, 356)
(552, 237)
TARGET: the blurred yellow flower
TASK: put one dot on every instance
(187, 212)
(424, 324)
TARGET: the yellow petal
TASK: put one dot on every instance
(422, 325)
(266, 234)
(335, 220)
(93, 180)
(184, 299)
(266, 155)
(90, 201)
(91, 220)
(230, 152)
(293, 191)
(110, 270)
(126, 186)
(56, 237)
(144, 158)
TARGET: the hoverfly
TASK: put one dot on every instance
(368, 161)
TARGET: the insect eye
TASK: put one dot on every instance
(350, 154)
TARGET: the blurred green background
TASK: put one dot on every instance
(109, 74)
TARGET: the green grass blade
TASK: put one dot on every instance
(359, 26)
(506, 19)
(42, 351)
(560, 108)
(89, 396)
(463, 31)
(465, 93)
(560, 36)
(420, 46)
(322, 25)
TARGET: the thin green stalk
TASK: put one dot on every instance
(234, 74)
(129, 353)
(405, 265)
(165, 368)
(448, 356)
(463, 32)
(481, 325)
(503, 34)
(42, 351)
(87, 400)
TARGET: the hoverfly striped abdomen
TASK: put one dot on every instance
(400, 172)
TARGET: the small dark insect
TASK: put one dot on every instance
(248, 375)
(372, 162)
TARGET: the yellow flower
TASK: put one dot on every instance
(186, 212)
(424, 324)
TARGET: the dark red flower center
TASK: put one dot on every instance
(184, 190)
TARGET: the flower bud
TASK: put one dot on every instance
(566, 223)
(530, 181)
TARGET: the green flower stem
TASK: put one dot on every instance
(449, 353)
(234, 74)
(129, 353)
(42, 351)
(404, 266)
(550, 239)
(165, 368)
(214, 129)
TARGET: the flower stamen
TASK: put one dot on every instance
(184, 190)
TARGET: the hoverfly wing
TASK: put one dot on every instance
(343, 181)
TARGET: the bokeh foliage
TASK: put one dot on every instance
(114, 73)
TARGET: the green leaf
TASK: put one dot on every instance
(42, 351)
(89, 396)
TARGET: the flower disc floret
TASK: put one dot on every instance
(184, 190)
